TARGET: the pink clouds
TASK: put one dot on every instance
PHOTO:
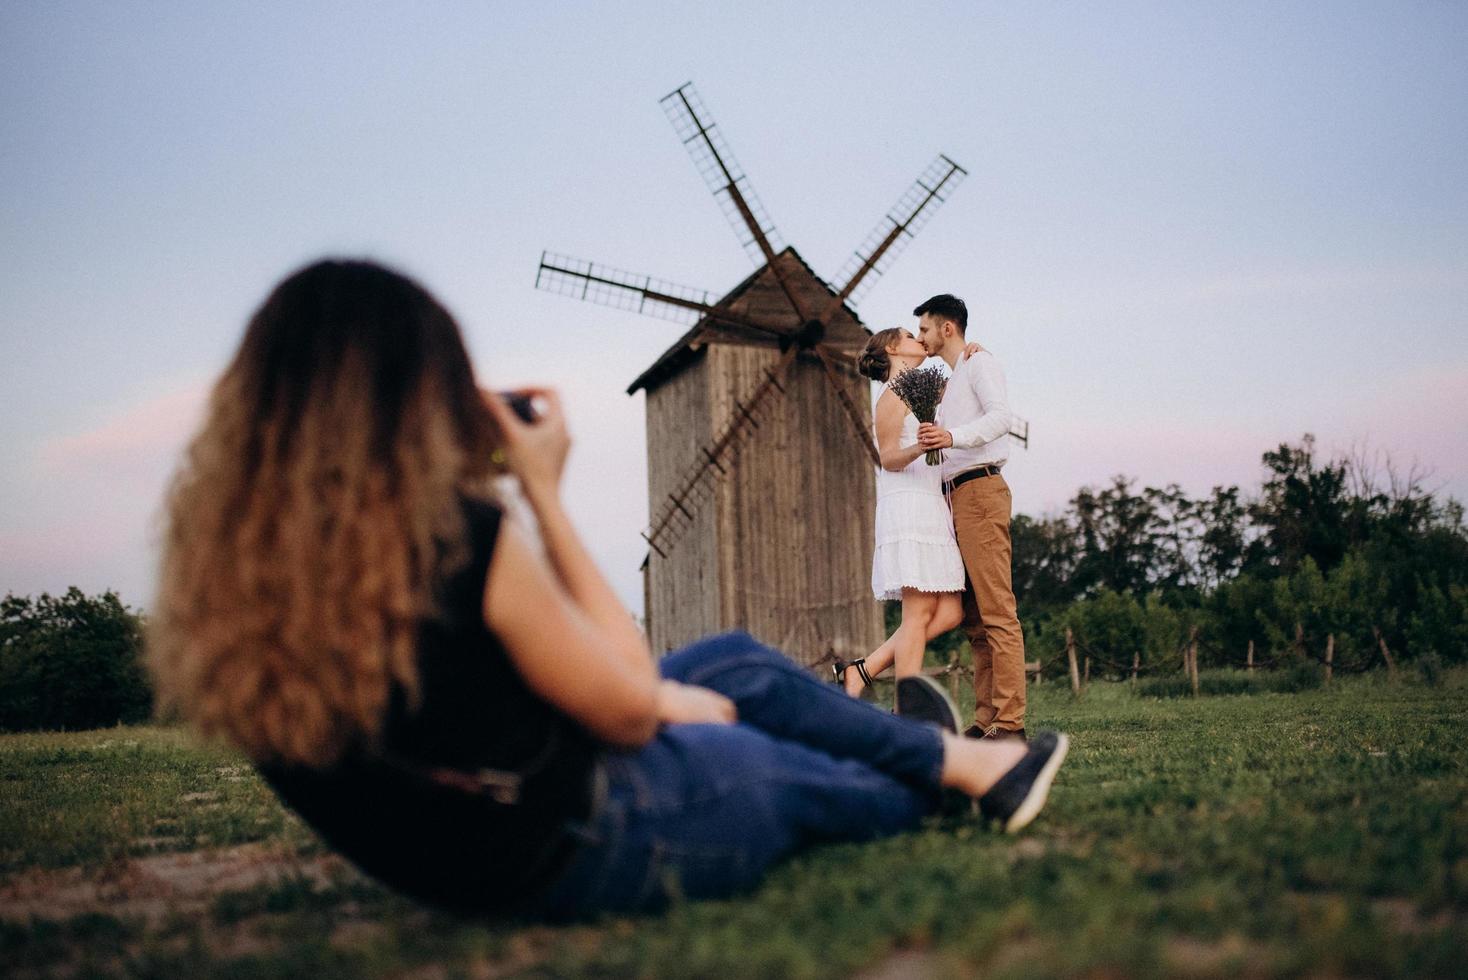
(136, 436)
(1419, 417)
(1170, 451)
(82, 511)
(86, 506)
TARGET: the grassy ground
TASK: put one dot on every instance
(1316, 833)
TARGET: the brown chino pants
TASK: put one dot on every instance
(981, 522)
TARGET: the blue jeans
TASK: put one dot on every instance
(703, 811)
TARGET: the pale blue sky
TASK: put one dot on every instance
(1190, 231)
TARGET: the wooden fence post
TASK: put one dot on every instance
(1070, 654)
(1086, 674)
(1329, 658)
(1249, 658)
(1193, 658)
(1136, 665)
(1391, 665)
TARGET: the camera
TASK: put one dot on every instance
(520, 404)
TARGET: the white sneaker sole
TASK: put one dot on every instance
(1034, 800)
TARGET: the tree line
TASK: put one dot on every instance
(71, 661)
(1343, 551)
(1346, 552)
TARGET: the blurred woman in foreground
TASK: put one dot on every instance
(474, 723)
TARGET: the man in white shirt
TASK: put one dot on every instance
(975, 437)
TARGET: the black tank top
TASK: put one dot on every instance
(452, 847)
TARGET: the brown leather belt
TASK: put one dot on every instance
(973, 474)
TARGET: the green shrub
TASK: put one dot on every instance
(1171, 686)
(1303, 676)
(1211, 684)
(70, 662)
(1430, 667)
(1440, 624)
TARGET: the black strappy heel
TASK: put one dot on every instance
(840, 667)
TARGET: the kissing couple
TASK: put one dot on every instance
(942, 532)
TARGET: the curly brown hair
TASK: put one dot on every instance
(874, 362)
(314, 511)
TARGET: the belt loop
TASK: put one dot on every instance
(502, 787)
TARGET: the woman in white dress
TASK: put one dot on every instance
(916, 559)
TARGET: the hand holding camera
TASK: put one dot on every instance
(533, 437)
(522, 404)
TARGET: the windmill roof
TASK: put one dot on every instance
(689, 347)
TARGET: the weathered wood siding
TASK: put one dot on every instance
(795, 517)
(682, 590)
(784, 547)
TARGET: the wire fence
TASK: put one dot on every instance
(1079, 658)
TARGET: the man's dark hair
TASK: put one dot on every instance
(946, 306)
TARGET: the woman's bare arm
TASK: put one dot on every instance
(890, 413)
(536, 453)
(563, 626)
(603, 682)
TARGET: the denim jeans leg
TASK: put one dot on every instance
(776, 696)
(703, 811)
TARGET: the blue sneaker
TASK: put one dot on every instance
(923, 699)
(1020, 794)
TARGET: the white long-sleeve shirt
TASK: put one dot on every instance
(976, 411)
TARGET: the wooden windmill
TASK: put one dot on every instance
(760, 451)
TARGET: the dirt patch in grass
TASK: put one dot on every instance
(1231, 956)
(908, 964)
(1403, 915)
(157, 886)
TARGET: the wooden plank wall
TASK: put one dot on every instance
(682, 591)
(795, 521)
(784, 548)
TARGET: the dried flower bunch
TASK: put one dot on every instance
(921, 389)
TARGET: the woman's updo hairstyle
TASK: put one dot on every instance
(874, 362)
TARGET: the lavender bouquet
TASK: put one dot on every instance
(921, 389)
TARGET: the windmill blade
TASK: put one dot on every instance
(849, 358)
(604, 285)
(853, 415)
(1019, 430)
(907, 217)
(677, 512)
(721, 172)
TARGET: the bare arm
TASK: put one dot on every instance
(562, 625)
(890, 413)
(559, 651)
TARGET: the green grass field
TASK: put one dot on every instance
(1321, 833)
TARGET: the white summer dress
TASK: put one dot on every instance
(916, 548)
